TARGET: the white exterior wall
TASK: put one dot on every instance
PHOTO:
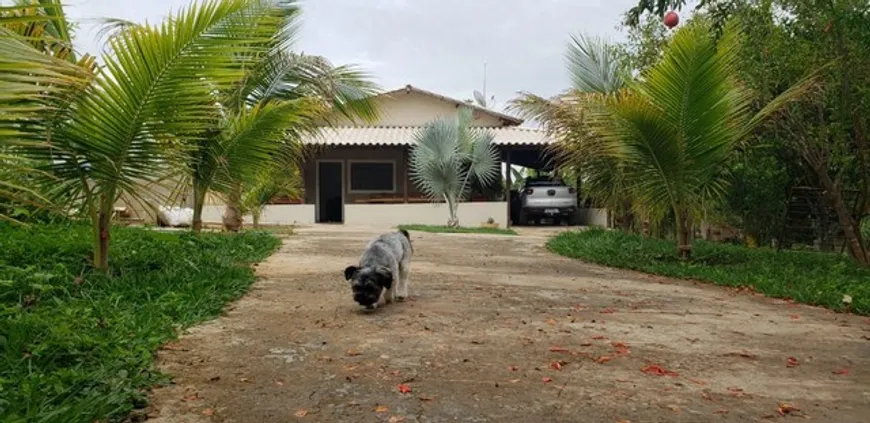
(471, 215)
(416, 109)
(275, 214)
(592, 217)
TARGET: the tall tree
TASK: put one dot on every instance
(155, 89)
(681, 124)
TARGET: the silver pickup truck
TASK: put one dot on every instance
(547, 199)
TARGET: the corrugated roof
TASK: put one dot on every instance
(404, 135)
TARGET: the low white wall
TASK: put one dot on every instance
(470, 214)
(592, 217)
(275, 214)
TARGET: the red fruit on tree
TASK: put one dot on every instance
(671, 19)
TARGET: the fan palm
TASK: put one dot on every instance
(447, 154)
(679, 126)
(156, 88)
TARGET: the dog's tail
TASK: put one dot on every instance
(404, 232)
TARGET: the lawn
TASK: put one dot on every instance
(77, 345)
(459, 230)
(806, 277)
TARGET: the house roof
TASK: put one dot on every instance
(410, 88)
(404, 136)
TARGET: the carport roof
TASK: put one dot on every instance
(404, 136)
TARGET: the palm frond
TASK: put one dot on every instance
(593, 65)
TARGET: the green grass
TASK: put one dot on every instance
(77, 345)
(806, 277)
(459, 230)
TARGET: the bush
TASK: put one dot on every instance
(807, 277)
(78, 345)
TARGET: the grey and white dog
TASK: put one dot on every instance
(383, 269)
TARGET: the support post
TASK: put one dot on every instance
(405, 163)
(507, 186)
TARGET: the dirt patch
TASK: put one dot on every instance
(500, 330)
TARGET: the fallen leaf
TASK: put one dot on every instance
(586, 344)
(786, 408)
(744, 354)
(737, 392)
(301, 412)
(558, 349)
(608, 310)
(722, 410)
(396, 419)
(208, 411)
(675, 409)
(696, 381)
(514, 380)
(604, 359)
(657, 370)
(279, 382)
(513, 368)
(579, 307)
(556, 365)
(382, 409)
(426, 399)
(546, 379)
(615, 344)
(174, 347)
(395, 372)
(404, 388)
(843, 371)
(792, 362)
(352, 353)
(191, 397)
(551, 322)
(599, 337)
(795, 317)
(244, 380)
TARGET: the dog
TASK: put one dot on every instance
(383, 269)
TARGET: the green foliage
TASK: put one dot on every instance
(806, 277)
(448, 155)
(77, 345)
(457, 230)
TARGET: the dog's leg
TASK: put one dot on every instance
(403, 280)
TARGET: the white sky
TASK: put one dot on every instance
(438, 45)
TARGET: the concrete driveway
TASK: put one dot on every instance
(500, 330)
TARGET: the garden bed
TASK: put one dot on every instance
(78, 345)
(806, 277)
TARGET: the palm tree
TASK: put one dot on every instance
(448, 153)
(274, 182)
(156, 88)
(281, 79)
(677, 128)
(593, 65)
(40, 73)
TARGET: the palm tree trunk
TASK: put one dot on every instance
(233, 213)
(255, 217)
(851, 229)
(102, 218)
(453, 220)
(198, 203)
(684, 236)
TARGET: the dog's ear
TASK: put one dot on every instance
(385, 277)
(350, 271)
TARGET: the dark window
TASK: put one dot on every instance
(372, 177)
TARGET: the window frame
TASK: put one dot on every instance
(350, 164)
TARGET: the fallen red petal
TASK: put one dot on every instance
(608, 310)
(792, 362)
(841, 371)
(404, 388)
(654, 369)
(558, 349)
(604, 359)
(546, 379)
(556, 365)
(208, 411)
(785, 408)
